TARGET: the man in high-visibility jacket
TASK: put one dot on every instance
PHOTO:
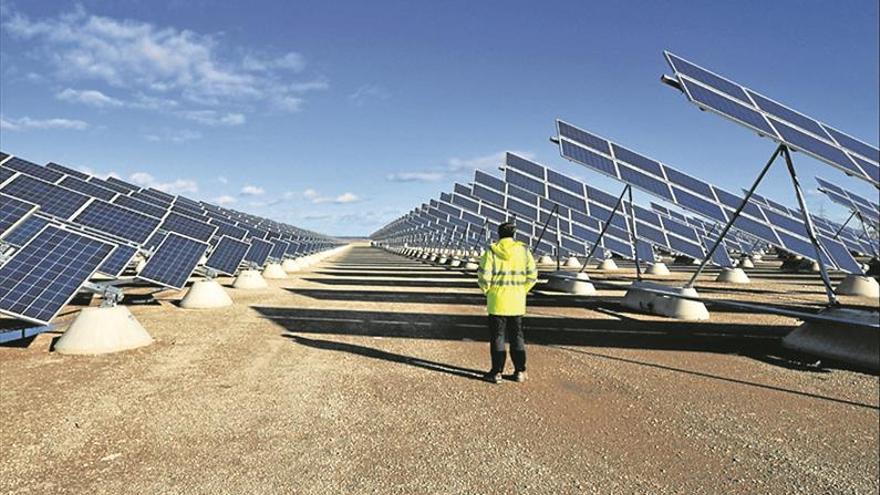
(507, 273)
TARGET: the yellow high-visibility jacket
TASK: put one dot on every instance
(507, 272)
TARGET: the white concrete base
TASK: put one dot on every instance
(607, 265)
(813, 267)
(657, 269)
(733, 276)
(852, 344)
(102, 331)
(205, 294)
(442, 260)
(662, 305)
(572, 262)
(746, 262)
(546, 260)
(249, 279)
(570, 283)
(858, 285)
(274, 271)
(455, 263)
(472, 265)
(291, 266)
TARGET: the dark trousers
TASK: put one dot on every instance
(511, 328)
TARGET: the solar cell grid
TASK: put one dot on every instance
(41, 277)
(181, 224)
(5, 174)
(53, 200)
(174, 261)
(109, 185)
(121, 183)
(227, 255)
(12, 212)
(87, 188)
(25, 230)
(117, 221)
(118, 260)
(67, 170)
(32, 169)
(258, 252)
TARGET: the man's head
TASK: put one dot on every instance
(506, 229)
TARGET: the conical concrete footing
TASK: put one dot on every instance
(290, 266)
(274, 271)
(249, 279)
(545, 260)
(472, 265)
(102, 331)
(455, 263)
(571, 283)
(856, 345)
(733, 276)
(657, 269)
(746, 262)
(656, 302)
(205, 294)
(572, 262)
(858, 285)
(607, 265)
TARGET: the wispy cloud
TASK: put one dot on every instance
(423, 176)
(28, 123)
(160, 66)
(316, 198)
(90, 97)
(368, 92)
(213, 117)
(177, 186)
(250, 190)
(224, 200)
(175, 136)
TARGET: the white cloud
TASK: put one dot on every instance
(159, 65)
(224, 200)
(250, 190)
(368, 92)
(423, 176)
(173, 136)
(310, 194)
(347, 198)
(213, 117)
(177, 186)
(316, 198)
(456, 167)
(27, 123)
(223, 180)
(89, 97)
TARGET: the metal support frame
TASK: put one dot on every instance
(626, 188)
(110, 295)
(558, 244)
(544, 229)
(632, 233)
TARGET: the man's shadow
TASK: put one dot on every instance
(387, 356)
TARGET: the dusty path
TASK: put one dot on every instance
(359, 376)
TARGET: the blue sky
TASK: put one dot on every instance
(340, 116)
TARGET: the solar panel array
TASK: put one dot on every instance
(854, 202)
(777, 228)
(772, 119)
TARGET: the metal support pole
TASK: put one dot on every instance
(558, 244)
(735, 215)
(631, 217)
(544, 229)
(605, 227)
(867, 235)
(811, 229)
(850, 217)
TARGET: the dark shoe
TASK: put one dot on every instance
(492, 377)
(519, 376)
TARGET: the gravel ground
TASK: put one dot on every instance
(360, 376)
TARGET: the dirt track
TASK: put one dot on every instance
(360, 376)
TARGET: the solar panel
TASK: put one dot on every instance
(5, 174)
(53, 200)
(141, 206)
(227, 229)
(227, 255)
(258, 253)
(850, 200)
(117, 221)
(175, 222)
(118, 260)
(174, 261)
(109, 185)
(279, 248)
(777, 229)
(13, 211)
(88, 188)
(32, 169)
(149, 198)
(777, 121)
(41, 277)
(121, 183)
(68, 171)
(25, 230)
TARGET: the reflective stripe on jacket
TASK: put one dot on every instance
(507, 273)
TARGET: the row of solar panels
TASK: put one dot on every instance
(60, 226)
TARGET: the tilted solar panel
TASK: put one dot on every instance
(25, 231)
(68, 171)
(227, 255)
(109, 185)
(41, 277)
(118, 260)
(88, 188)
(174, 261)
(13, 212)
(53, 200)
(141, 206)
(117, 221)
(121, 183)
(258, 253)
(32, 169)
(279, 248)
(772, 119)
(182, 224)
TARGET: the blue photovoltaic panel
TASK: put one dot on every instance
(52, 200)
(227, 229)
(12, 212)
(32, 169)
(258, 253)
(582, 136)
(227, 255)
(117, 221)
(161, 195)
(68, 171)
(141, 206)
(118, 260)
(840, 254)
(155, 239)
(109, 185)
(790, 127)
(175, 222)
(645, 251)
(121, 183)
(87, 188)
(5, 174)
(41, 277)
(153, 200)
(174, 261)
(279, 248)
(24, 231)
(850, 200)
